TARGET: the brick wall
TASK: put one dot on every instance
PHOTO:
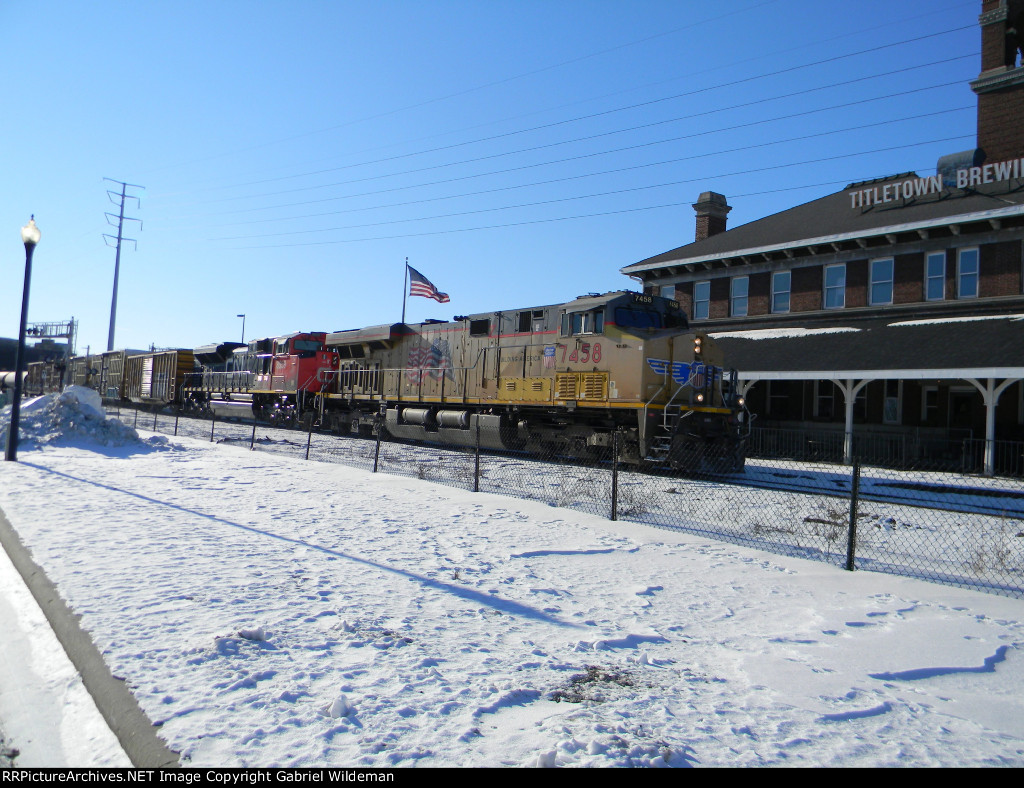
(1000, 270)
(806, 289)
(1000, 130)
(908, 279)
(719, 298)
(760, 296)
(857, 283)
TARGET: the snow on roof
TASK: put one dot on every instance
(779, 333)
(965, 319)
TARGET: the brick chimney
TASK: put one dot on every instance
(712, 211)
(1000, 86)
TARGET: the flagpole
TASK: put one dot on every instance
(405, 287)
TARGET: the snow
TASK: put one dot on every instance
(269, 611)
(780, 333)
(964, 319)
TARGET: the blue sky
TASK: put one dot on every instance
(294, 154)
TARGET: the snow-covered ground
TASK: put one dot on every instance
(271, 611)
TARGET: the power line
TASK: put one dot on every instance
(599, 194)
(610, 213)
(591, 116)
(552, 162)
(652, 124)
(484, 86)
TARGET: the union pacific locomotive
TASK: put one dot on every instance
(569, 378)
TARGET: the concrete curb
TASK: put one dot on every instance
(131, 726)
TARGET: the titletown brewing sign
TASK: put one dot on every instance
(965, 178)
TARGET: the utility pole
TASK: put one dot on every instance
(116, 198)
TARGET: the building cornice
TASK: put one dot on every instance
(998, 79)
(764, 252)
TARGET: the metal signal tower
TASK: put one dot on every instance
(113, 196)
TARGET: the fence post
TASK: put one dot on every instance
(135, 424)
(615, 475)
(155, 412)
(851, 545)
(476, 470)
(177, 413)
(380, 431)
(213, 426)
(309, 438)
(252, 440)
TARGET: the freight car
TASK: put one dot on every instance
(146, 378)
(568, 377)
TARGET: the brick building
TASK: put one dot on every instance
(887, 318)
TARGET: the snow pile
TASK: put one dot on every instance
(75, 412)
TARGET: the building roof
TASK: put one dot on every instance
(835, 219)
(990, 346)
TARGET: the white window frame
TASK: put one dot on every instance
(925, 391)
(739, 301)
(770, 396)
(930, 278)
(835, 288)
(706, 302)
(829, 394)
(778, 291)
(960, 275)
(875, 280)
(892, 406)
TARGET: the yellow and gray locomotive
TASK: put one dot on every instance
(568, 377)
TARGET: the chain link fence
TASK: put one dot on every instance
(925, 521)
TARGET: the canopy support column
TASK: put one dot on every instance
(850, 389)
(990, 393)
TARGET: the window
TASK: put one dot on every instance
(479, 328)
(967, 273)
(824, 399)
(668, 291)
(835, 286)
(632, 317)
(738, 296)
(583, 323)
(930, 405)
(781, 281)
(778, 400)
(881, 281)
(935, 276)
(701, 300)
(892, 404)
(531, 321)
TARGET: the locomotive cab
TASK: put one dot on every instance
(300, 364)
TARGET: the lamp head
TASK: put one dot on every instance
(30, 233)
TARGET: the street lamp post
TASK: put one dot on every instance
(243, 327)
(30, 237)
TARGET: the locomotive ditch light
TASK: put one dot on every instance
(700, 397)
(741, 402)
(697, 342)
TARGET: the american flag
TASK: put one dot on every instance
(419, 285)
(434, 361)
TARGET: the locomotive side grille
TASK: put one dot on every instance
(566, 386)
(595, 385)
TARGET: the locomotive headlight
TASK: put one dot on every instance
(697, 342)
(700, 397)
(741, 402)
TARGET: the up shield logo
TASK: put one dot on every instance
(682, 373)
